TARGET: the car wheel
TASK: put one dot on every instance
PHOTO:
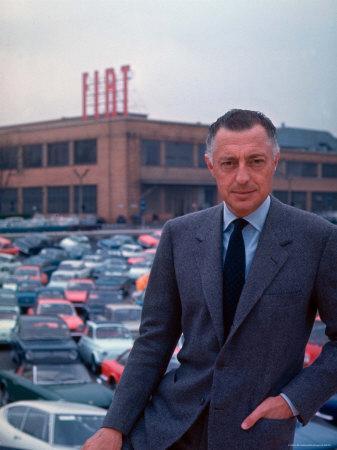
(93, 366)
(112, 383)
(4, 396)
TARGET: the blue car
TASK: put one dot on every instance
(317, 434)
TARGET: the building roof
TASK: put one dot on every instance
(308, 140)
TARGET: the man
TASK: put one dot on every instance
(242, 281)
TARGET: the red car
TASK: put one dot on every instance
(61, 308)
(32, 272)
(6, 246)
(316, 341)
(112, 369)
(78, 290)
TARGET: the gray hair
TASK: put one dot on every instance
(239, 120)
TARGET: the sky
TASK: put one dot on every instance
(191, 61)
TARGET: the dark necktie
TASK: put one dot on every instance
(233, 273)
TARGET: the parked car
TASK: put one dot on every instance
(130, 250)
(60, 279)
(8, 264)
(137, 270)
(31, 272)
(112, 369)
(31, 244)
(6, 246)
(115, 242)
(63, 309)
(315, 343)
(129, 315)
(50, 381)
(47, 425)
(78, 290)
(148, 240)
(103, 340)
(76, 267)
(8, 319)
(329, 410)
(37, 338)
(8, 297)
(50, 292)
(75, 240)
(26, 293)
(317, 434)
(94, 307)
(112, 282)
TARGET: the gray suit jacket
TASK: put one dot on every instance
(293, 273)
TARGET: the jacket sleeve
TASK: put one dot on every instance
(315, 384)
(159, 332)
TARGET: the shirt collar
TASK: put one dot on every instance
(257, 218)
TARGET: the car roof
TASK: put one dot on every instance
(60, 407)
(123, 306)
(43, 301)
(103, 323)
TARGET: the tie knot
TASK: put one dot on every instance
(240, 223)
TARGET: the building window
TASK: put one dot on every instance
(8, 201)
(150, 153)
(299, 199)
(324, 201)
(201, 155)
(301, 169)
(178, 154)
(8, 158)
(329, 170)
(58, 199)
(85, 200)
(58, 154)
(32, 156)
(281, 195)
(32, 200)
(85, 152)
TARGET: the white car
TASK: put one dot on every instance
(60, 279)
(103, 340)
(45, 425)
(8, 319)
(128, 315)
(73, 241)
(131, 250)
(76, 267)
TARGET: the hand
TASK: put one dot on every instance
(270, 408)
(104, 439)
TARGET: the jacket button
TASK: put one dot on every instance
(202, 400)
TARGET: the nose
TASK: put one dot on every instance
(242, 174)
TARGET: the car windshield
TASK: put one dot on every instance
(29, 285)
(60, 374)
(79, 287)
(112, 332)
(56, 308)
(27, 272)
(73, 430)
(127, 314)
(44, 329)
(8, 315)
(318, 336)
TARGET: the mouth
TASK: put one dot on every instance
(243, 192)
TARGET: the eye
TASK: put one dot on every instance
(257, 161)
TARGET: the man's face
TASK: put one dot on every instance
(243, 166)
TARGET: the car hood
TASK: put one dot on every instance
(76, 296)
(90, 393)
(72, 321)
(7, 324)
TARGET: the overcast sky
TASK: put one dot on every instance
(191, 60)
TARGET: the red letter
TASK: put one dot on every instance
(110, 93)
(84, 95)
(125, 70)
(96, 94)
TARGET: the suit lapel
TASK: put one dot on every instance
(208, 252)
(269, 258)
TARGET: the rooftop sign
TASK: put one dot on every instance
(107, 95)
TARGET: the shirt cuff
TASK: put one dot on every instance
(290, 404)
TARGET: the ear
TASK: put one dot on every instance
(276, 160)
(209, 164)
